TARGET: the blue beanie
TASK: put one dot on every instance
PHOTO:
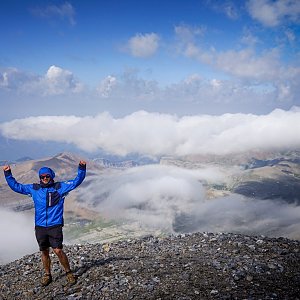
(46, 170)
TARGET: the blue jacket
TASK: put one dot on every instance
(48, 201)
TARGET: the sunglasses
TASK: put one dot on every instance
(44, 176)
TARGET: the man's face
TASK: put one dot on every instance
(45, 178)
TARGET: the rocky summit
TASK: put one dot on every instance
(187, 266)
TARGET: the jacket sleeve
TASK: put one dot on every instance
(70, 185)
(25, 189)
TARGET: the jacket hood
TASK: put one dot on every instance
(46, 170)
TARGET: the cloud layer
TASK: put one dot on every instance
(17, 235)
(174, 200)
(162, 134)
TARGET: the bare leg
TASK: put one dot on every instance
(63, 259)
(46, 261)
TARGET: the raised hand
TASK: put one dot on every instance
(6, 168)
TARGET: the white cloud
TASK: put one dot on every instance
(242, 64)
(162, 134)
(174, 200)
(17, 235)
(188, 33)
(246, 95)
(128, 86)
(249, 39)
(106, 86)
(4, 80)
(12, 78)
(245, 64)
(216, 83)
(150, 194)
(143, 45)
(63, 11)
(56, 81)
(194, 78)
(274, 13)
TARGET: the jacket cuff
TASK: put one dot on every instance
(7, 173)
(82, 167)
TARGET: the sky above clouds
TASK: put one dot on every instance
(116, 66)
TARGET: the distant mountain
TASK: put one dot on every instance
(25, 158)
(259, 163)
(242, 159)
(115, 164)
(113, 161)
(262, 175)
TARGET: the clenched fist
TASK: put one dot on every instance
(6, 168)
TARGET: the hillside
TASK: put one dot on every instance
(259, 175)
(188, 266)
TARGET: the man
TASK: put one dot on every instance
(48, 197)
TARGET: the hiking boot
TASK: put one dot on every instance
(46, 279)
(71, 278)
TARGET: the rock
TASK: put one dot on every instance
(188, 266)
(214, 292)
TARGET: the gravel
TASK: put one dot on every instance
(183, 267)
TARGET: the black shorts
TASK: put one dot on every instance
(49, 237)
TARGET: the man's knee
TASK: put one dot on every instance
(58, 251)
(45, 252)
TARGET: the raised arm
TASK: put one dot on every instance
(24, 189)
(70, 185)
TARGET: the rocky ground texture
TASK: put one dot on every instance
(188, 266)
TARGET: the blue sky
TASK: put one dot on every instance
(119, 58)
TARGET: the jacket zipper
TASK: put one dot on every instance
(46, 209)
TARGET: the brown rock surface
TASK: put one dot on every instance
(190, 266)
